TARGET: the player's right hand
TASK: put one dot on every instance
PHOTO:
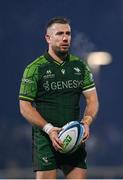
(56, 142)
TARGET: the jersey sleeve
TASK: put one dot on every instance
(88, 80)
(28, 87)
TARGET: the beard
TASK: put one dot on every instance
(60, 53)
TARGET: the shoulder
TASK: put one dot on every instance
(35, 64)
(41, 60)
(78, 60)
(74, 58)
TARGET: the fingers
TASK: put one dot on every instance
(86, 133)
(56, 142)
(85, 138)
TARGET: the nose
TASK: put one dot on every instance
(65, 37)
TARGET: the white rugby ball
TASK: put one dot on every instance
(71, 135)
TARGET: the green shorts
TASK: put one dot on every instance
(46, 158)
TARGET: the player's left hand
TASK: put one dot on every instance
(86, 133)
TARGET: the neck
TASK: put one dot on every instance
(59, 58)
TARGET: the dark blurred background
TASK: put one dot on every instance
(96, 26)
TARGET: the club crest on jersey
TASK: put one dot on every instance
(77, 71)
(63, 71)
(45, 159)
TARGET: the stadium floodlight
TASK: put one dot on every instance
(97, 59)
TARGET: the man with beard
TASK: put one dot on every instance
(49, 98)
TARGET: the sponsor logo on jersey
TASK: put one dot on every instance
(25, 80)
(59, 85)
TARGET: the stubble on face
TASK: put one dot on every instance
(60, 53)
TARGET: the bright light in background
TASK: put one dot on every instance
(84, 48)
(97, 59)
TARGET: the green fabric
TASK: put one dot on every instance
(56, 88)
(46, 158)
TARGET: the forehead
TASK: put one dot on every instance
(60, 27)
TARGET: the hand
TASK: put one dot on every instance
(86, 133)
(56, 142)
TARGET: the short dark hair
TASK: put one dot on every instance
(60, 20)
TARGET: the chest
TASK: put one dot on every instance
(60, 77)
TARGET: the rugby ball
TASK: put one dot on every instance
(71, 135)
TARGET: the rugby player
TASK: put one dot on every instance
(49, 98)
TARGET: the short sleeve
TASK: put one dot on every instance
(88, 80)
(28, 87)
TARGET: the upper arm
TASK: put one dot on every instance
(91, 96)
(24, 105)
(28, 87)
(87, 77)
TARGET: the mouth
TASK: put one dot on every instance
(65, 45)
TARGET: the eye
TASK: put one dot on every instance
(59, 33)
(68, 33)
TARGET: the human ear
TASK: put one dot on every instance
(47, 37)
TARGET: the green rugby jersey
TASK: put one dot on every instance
(56, 88)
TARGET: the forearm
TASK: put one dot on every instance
(31, 114)
(92, 106)
(90, 113)
(91, 109)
